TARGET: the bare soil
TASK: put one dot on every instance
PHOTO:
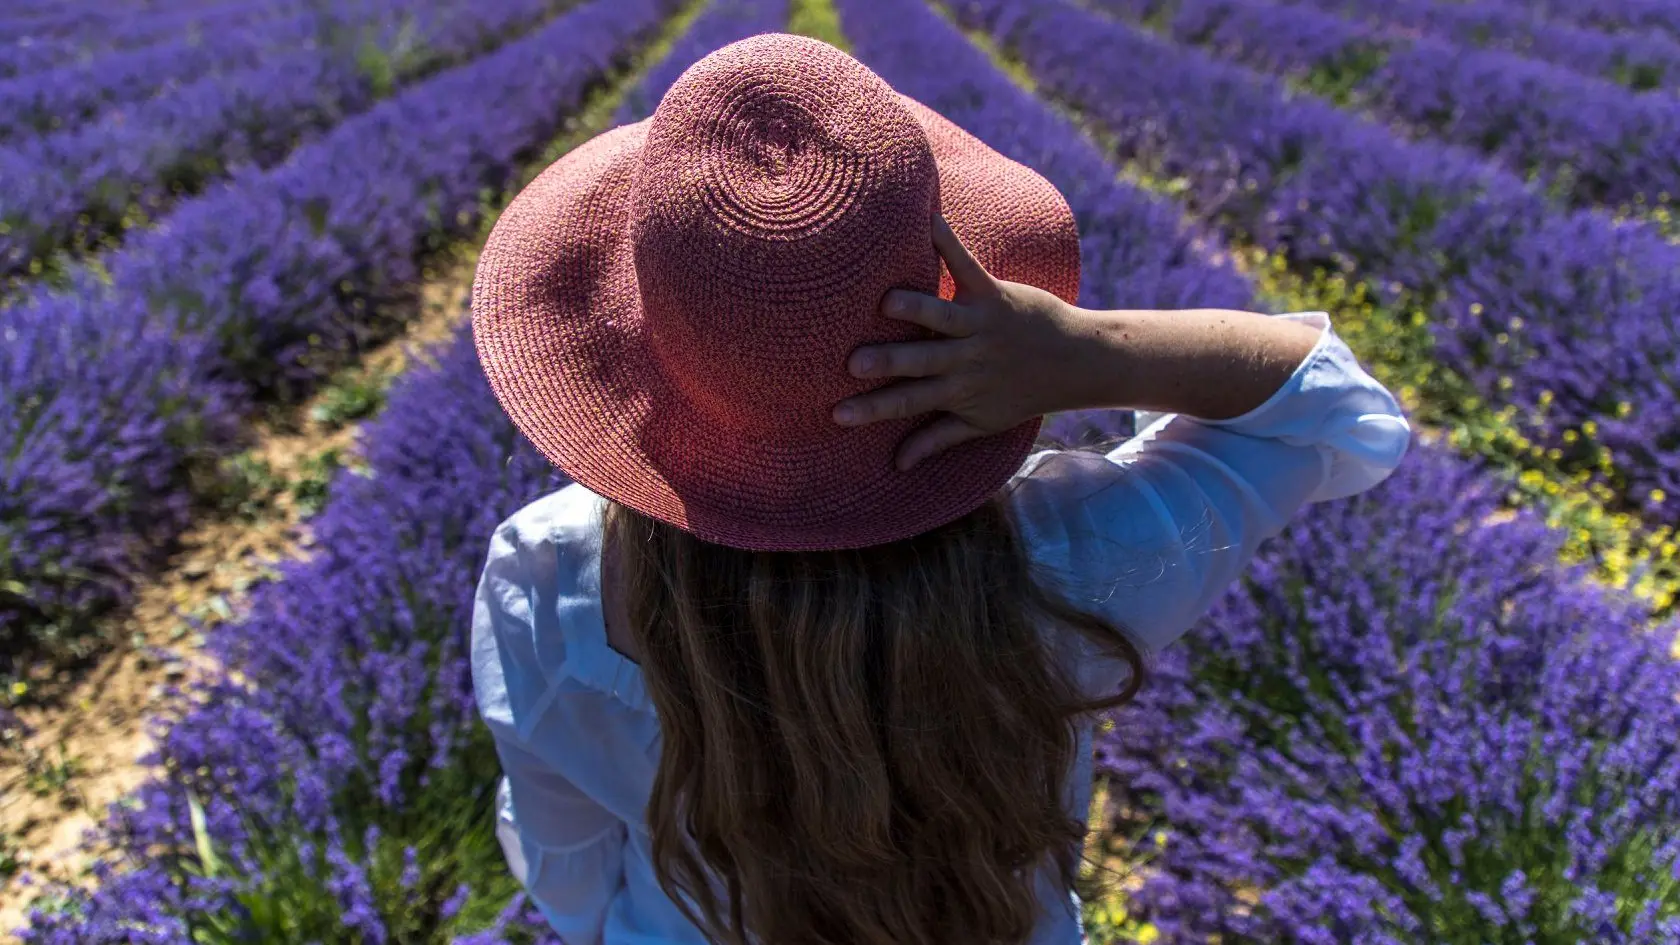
(81, 753)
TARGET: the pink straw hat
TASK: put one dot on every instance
(666, 312)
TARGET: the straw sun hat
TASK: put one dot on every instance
(667, 311)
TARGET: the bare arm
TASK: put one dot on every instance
(1210, 363)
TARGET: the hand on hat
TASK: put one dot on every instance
(1005, 347)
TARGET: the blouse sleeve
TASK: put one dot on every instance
(564, 847)
(1150, 533)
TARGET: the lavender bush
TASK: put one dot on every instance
(85, 20)
(60, 98)
(1408, 726)
(1563, 314)
(1640, 61)
(264, 282)
(68, 191)
(24, 49)
(1614, 16)
(73, 189)
(1587, 141)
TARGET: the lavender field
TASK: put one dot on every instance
(1446, 711)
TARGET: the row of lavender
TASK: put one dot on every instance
(1405, 727)
(116, 395)
(1641, 60)
(86, 22)
(60, 98)
(358, 737)
(24, 49)
(1613, 16)
(1586, 141)
(73, 190)
(1563, 314)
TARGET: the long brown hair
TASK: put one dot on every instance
(865, 747)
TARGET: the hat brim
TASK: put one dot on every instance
(558, 324)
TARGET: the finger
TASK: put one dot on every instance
(930, 311)
(969, 275)
(935, 438)
(894, 402)
(907, 359)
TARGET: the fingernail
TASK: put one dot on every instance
(863, 363)
(845, 413)
(896, 305)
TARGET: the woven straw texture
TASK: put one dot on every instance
(666, 312)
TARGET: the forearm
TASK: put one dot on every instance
(1209, 363)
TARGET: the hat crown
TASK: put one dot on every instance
(782, 190)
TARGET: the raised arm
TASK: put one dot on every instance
(1013, 352)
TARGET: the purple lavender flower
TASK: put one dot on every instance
(55, 36)
(1586, 140)
(1641, 60)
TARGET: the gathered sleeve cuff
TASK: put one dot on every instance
(1329, 403)
(571, 878)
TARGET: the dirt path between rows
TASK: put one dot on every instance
(80, 753)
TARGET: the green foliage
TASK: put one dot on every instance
(385, 59)
(251, 488)
(1340, 79)
(45, 777)
(10, 864)
(354, 395)
(377, 67)
(1641, 77)
(449, 824)
(817, 19)
(309, 489)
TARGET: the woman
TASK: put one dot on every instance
(810, 650)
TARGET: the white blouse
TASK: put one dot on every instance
(1148, 535)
